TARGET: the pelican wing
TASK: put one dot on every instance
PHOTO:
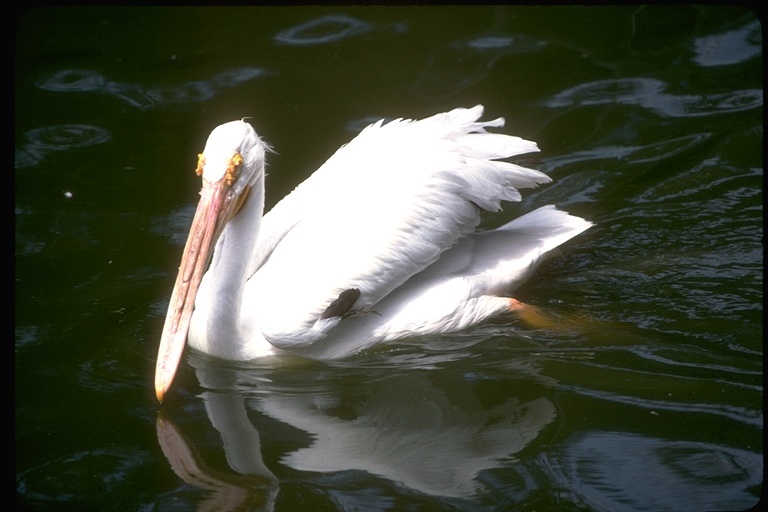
(381, 209)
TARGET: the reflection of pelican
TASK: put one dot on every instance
(434, 436)
(411, 432)
(253, 488)
(376, 245)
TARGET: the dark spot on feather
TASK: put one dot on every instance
(342, 305)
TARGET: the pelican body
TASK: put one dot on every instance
(378, 244)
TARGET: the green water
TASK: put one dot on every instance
(642, 390)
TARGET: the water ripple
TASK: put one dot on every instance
(655, 152)
(69, 80)
(614, 471)
(649, 93)
(322, 30)
(728, 48)
(63, 137)
(143, 98)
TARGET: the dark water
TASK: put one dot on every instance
(641, 389)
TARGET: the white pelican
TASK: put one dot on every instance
(378, 244)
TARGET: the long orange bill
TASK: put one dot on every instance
(213, 211)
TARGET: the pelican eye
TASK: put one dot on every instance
(233, 169)
(200, 164)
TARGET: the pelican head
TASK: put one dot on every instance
(235, 153)
(232, 162)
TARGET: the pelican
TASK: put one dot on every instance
(377, 245)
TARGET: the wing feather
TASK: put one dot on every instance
(381, 209)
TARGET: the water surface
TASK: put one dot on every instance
(641, 388)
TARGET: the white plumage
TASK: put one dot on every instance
(391, 215)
